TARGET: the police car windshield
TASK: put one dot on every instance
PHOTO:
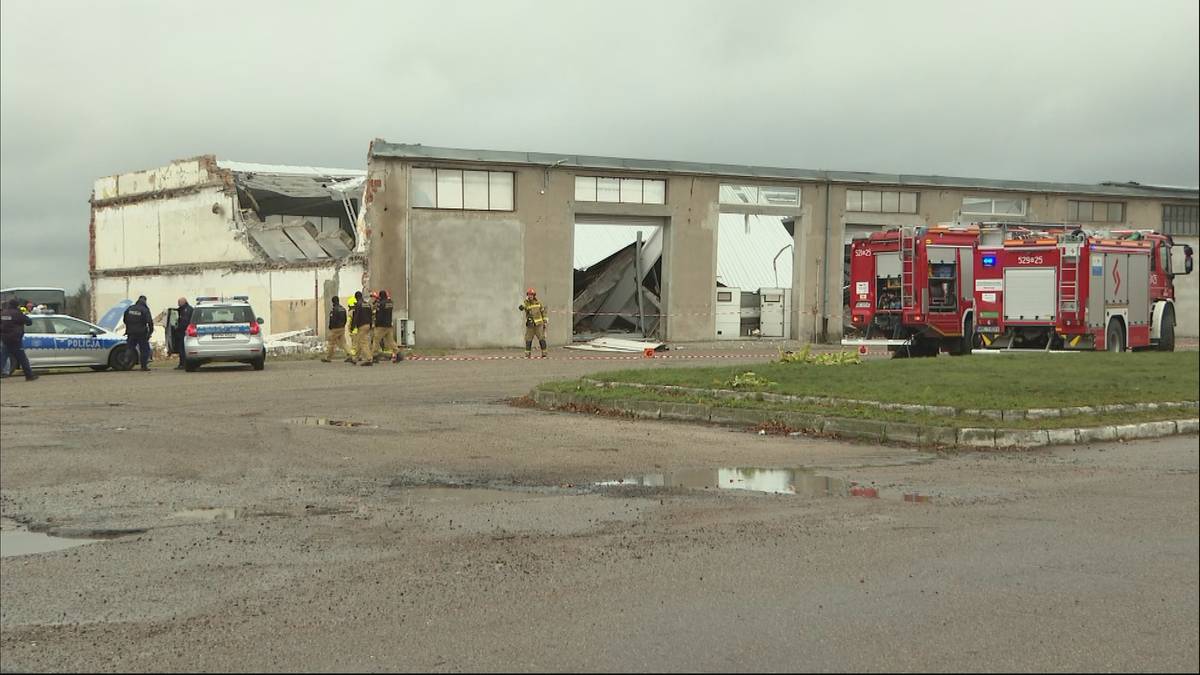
(238, 314)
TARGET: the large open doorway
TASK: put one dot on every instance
(754, 276)
(617, 277)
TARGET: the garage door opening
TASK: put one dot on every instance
(617, 277)
(754, 276)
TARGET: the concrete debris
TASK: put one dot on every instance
(293, 342)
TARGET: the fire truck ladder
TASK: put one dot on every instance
(907, 266)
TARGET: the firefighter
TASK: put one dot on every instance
(535, 322)
(361, 320)
(351, 331)
(335, 336)
(384, 340)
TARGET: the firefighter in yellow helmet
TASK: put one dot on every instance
(351, 331)
(535, 322)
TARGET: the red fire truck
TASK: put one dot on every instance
(911, 290)
(1075, 290)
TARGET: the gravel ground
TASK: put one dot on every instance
(453, 531)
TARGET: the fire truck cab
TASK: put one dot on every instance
(1075, 290)
(911, 290)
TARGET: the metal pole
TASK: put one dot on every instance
(637, 271)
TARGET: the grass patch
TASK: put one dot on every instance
(988, 381)
(602, 396)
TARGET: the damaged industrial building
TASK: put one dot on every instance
(674, 251)
(678, 251)
(286, 236)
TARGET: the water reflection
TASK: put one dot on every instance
(803, 482)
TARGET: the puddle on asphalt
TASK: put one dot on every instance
(205, 515)
(326, 422)
(802, 482)
(20, 542)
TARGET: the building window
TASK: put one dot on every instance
(993, 206)
(620, 190)
(760, 195)
(877, 201)
(460, 189)
(1180, 219)
(1095, 212)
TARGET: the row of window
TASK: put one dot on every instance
(1095, 212)
(1182, 220)
(620, 190)
(459, 189)
(881, 201)
(494, 190)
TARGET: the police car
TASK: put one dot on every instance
(61, 341)
(222, 330)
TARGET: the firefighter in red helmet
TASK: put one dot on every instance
(535, 322)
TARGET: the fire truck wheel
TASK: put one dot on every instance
(962, 346)
(1114, 340)
(1166, 340)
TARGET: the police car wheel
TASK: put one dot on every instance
(122, 358)
(259, 363)
(190, 365)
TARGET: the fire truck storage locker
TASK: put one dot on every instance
(1029, 293)
(729, 313)
(887, 281)
(1126, 287)
(775, 312)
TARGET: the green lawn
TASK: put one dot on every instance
(986, 381)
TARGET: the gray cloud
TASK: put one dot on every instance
(1076, 91)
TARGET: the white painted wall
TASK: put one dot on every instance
(180, 174)
(176, 231)
(263, 287)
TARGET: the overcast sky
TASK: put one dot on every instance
(1074, 91)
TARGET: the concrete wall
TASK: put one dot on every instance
(463, 269)
(175, 230)
(287, 299)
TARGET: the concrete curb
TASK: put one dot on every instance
(874, 430)
(940, 410)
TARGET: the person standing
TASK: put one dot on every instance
(384, 342)
(335, 335)
(12, 332)
(185, 318)
(361, 321)
(535, 322)
(139, 326)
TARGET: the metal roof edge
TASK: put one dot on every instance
(416, 151)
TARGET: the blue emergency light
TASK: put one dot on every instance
(989, 260)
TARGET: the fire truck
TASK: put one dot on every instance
(1069, 289)
(911, 290)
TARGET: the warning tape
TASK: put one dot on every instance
(615, 357)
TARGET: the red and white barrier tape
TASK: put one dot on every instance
(614, 357)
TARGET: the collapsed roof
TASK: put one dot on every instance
(298, 213)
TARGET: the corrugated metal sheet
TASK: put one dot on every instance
(744, 255)
(381, 148)
(286, 170)
(594, 243)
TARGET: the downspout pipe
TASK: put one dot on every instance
(825, 267)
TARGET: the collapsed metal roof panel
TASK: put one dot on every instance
(747, 247)
(303, 240)
(276, 244)
(333, 246)
(382, 148)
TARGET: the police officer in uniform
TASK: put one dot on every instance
(385, 331)
(139, 326)
(535, 322)
(361, 320)
(185, 318)
(12, 332)
(335, 335)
